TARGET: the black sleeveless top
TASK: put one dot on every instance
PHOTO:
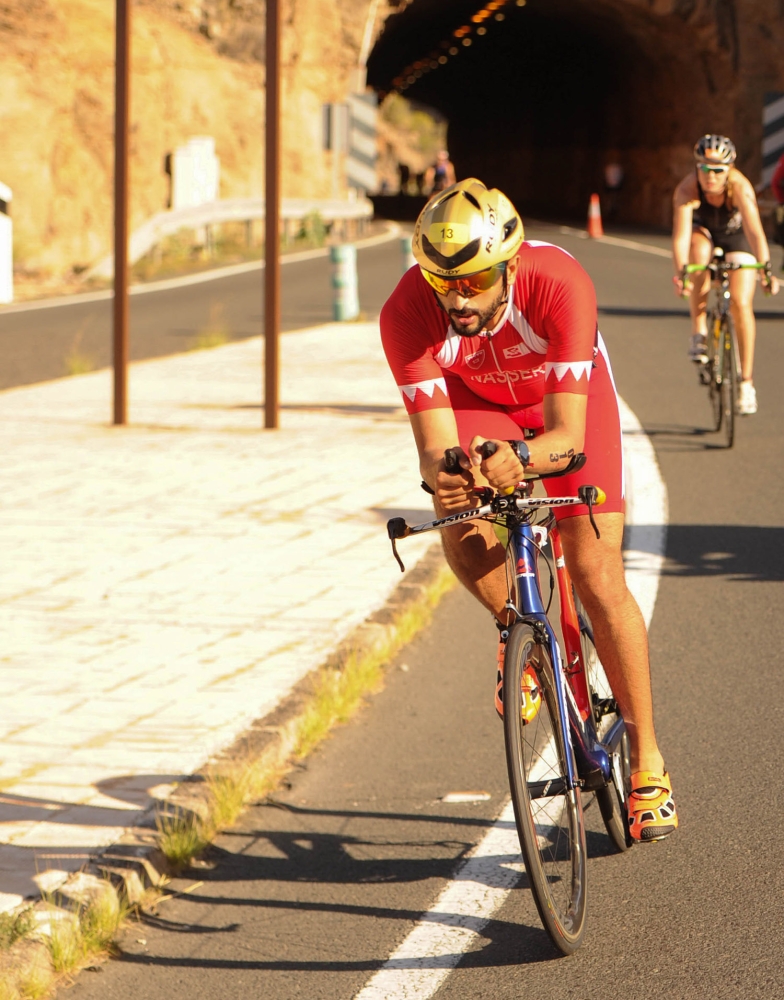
(719, 220)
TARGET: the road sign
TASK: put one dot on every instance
(362, 148)
(772, 134)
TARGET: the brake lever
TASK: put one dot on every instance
(397, 528)
(589, 495)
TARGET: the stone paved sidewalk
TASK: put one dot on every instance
(165, 584)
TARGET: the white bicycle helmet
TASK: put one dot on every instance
(715, 149)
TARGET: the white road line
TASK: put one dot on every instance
(479, 887)
(418, 967)
(646, 513)
(616, 241)
(393, 231)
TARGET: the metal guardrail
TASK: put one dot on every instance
(214, 213)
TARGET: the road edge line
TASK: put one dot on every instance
(201, 277)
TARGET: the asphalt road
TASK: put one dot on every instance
(37, 344)
(309, 895)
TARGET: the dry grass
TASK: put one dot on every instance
(36, 980)
(338, 693)
(15, 926)
(215, 332)
(187, 252)
(181, 835)
(77, 362)
(36, 963)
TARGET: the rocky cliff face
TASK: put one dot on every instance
(197, 69)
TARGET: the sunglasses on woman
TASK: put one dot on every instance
(469, 284)
(706, 169)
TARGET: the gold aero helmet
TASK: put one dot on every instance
(466, 228)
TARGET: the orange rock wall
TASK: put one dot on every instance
(195, 71)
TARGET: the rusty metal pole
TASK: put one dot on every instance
(121, 117)
(272, 217)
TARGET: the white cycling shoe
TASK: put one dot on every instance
(747, 399)
(698, 349)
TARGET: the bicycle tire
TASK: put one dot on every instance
(611, 799)
(729, 380)
(550, 827)
(715, 369)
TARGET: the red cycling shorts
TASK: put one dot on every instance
(604, 465)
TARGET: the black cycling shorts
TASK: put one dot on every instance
(729, 242)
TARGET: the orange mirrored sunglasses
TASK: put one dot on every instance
(470, 284)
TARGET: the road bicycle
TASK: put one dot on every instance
(721, 372)
(577, 741)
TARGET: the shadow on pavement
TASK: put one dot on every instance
(651, 311)
(737, 552)
(46, 838)
(681, 438)
(311, 862)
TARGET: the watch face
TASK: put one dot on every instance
(520, 449)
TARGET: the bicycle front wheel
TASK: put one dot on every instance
(715, 362)
(729, 380)
(548, 814)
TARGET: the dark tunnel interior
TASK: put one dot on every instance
(542, 100)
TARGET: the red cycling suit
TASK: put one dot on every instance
(547, 341)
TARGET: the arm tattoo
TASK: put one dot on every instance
(555, 457)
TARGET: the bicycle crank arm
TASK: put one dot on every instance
(547, 789)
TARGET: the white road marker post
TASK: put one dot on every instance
(345, 300)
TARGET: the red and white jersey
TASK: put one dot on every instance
(544, 343)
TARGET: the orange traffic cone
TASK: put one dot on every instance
(595, 217)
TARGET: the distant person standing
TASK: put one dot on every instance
(777, 186)
(613, 182)
(404, 173)
(441, 175)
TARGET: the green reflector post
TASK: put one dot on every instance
(345, 297)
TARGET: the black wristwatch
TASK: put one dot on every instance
(520, 448)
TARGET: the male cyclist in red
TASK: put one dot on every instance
(716, 207)
(495, 338)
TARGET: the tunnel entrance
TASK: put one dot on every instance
(547, 92)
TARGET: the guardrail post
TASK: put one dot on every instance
(6, 246)
(345, 300)
(407, 255)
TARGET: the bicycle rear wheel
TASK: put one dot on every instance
(729, 379)
(548, 814)
(611, 798)
(714, 367)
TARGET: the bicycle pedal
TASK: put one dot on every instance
(704, 374)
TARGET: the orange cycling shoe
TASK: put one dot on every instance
(651, 808)
(529, 688)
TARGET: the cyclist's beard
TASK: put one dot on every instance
(481, 317)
